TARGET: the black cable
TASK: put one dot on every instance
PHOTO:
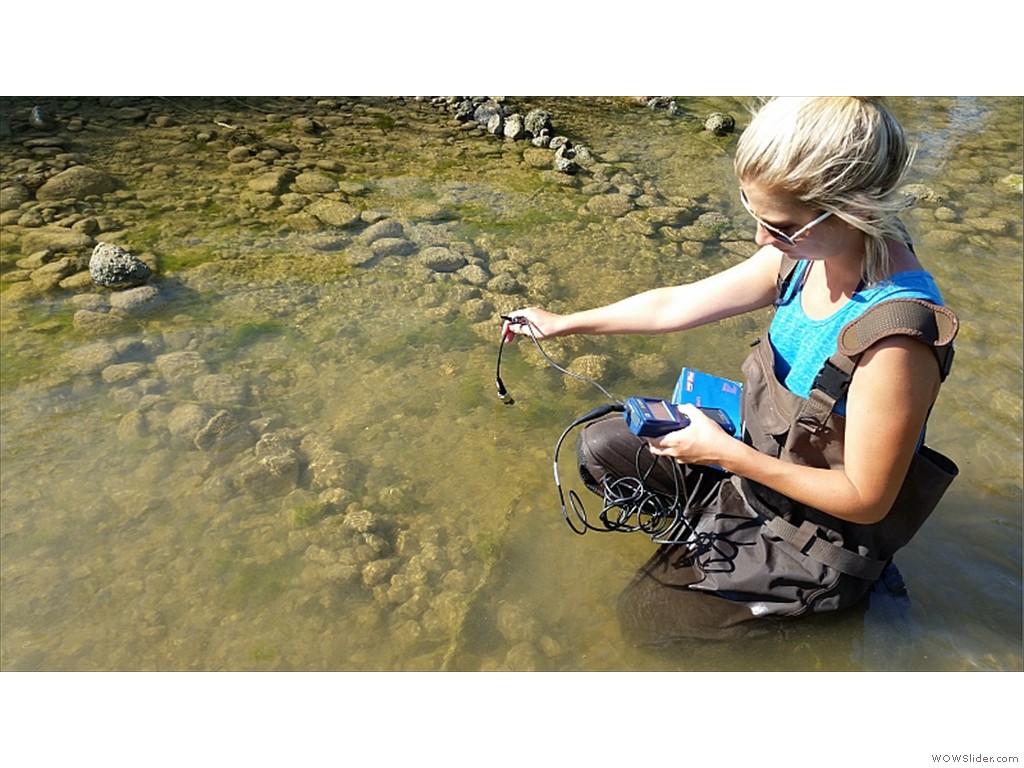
(637, 508)
(503, 392)
(574, 498)
(661, 517)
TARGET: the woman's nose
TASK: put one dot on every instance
(762, 237)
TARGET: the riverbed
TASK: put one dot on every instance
(290, 456)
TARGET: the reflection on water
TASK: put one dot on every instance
(295, 462)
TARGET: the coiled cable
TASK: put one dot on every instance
(628, 504)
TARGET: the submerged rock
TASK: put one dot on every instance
(186, 420)
(48, 276)
(13, 195)
(386, 228)
(92, 358)
(54, 239)
(334, 213)
(181, 367)
(313, 182)
(272, 469)
(135, 301)
(392, 246)
(77, 182)
(441, 259)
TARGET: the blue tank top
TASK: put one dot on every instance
(802, 345)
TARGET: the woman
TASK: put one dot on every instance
(831, 476)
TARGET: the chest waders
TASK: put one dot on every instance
(754, 553)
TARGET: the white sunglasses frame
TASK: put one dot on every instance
(778, 234)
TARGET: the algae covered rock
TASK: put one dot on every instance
(77, 182)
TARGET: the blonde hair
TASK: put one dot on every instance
(847, 155)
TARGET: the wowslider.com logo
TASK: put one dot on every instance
(973, 759)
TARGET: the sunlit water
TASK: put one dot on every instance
(368, 503)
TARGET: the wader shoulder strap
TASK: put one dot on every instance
(786, 269)
(930, 323)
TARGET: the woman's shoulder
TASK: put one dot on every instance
(907, 278)
(902, 257)
(911, 284)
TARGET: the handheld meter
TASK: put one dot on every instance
(653, 417)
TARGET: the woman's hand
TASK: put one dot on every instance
(531, 322)
(702, 441)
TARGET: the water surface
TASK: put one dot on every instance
(367, 503)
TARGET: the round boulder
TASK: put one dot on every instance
(39, 118)
(334, 213)
(537, 122)
(113, 267)
(719, 123)
(12, 196)
(382, 229)
(313, 182)
(441, 259)
(485, 111)
(77, 182)
(135, 301)
(514, 127)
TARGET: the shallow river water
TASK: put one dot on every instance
(292, 456)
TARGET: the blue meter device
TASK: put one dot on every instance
(654, 417)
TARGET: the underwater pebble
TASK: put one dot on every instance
(376, 571)
(186, 420)
(515, 623)
(92, 358)
(523, 657)
(591, 366)
(317, 554)
(392, 246)
(181, 367)
(360, 520)
(400, 589)
(222, 432)
(612, 205)
(334, 213)
(123, 372)
(77, 182)
(220, 389)
(135, 301)
(385, 229)
(442, 259)
(313, 182)
(132, 426)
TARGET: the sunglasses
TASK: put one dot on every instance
(777, 233)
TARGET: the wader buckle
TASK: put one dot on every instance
(832, 380)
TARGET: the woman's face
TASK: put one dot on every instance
(815, 234)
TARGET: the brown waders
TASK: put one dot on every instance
(751, 553)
